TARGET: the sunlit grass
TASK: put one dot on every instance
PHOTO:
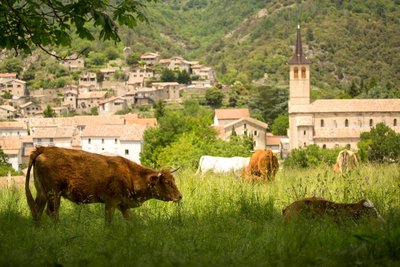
(221, 221)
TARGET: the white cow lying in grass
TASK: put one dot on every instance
(221, 165)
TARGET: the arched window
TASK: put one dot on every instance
(322, 123)
(371, 122)
(395, 122)
(346, 123)
(296, 72)
(303, 72)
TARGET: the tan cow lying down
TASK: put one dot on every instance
(262, 167)
(84, 177)
(346, 161)
(315, 207)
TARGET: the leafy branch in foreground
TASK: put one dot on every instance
(40, 23)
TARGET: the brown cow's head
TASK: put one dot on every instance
(163, 186)
(368, 208)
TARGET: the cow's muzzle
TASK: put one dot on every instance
(178, 198)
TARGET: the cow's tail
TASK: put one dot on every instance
(28, 193)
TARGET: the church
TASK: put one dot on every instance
(331, 123)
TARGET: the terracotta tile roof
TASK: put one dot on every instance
(13, 124)
(275, 139)
(124, 132)
(76, 121)
(8, 75)
(54, 132)
(133, 119)
(232, 113)
(348, 105)
(10, 143)
(135, 80)
(112, 99)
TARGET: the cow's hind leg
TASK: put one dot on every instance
(53, 205)
(40, 202)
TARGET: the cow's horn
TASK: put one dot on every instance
(174, 170)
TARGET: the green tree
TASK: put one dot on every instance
(159, 109)
(39, 23)
(214, 97)
(168, 75)
(280, 125)
(11, 65)
(132, 59)
(7, 95)
(183, 77)
(49, 112)
(381, 144)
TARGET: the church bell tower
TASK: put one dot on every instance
(299, 87)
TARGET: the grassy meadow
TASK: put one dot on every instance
(221, 221)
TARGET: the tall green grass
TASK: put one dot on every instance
(220, 222)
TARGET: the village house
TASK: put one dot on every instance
(223, 117)
(150, 58)
(122, 140)
(112, 105)
(169, 91)
(139, 71)
(204, 73)
(73, 63)
(13, 128)
(11, 146)
(247, 126)
(88, 78)
(7, 112)
(4, 77)
(60, 136)
(31, 109)
(87, 101)
(331, 123)
(15, 87)
(70, 100)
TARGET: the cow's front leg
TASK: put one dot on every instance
(109, 211)
(126, 212)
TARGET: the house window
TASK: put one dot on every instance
(324, 146)
(348, 146)
(255, 133)
(245, 126)
(102, 141)
(371, 122)
(335, 124)
(296, 72)
(395, 122)
(322, 123)
(89, 141)
(305, 132)
(126, 151)
(115, 141)
(346, 123)
(51, 140)
(303, 72)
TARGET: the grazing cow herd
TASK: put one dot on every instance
(84, 177)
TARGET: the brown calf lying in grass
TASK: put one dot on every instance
(315, 207)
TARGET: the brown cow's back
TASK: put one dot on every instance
(263, 166)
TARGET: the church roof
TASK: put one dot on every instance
(298, 57)
(348, 105)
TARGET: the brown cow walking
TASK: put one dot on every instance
(263, 166)
(316, 207)
(85, 177)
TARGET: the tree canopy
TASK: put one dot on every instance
(25, 25)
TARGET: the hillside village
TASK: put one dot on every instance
(24, 125)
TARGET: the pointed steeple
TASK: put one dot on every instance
(299, 58)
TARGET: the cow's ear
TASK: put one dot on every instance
(154, 179)
(366, 203)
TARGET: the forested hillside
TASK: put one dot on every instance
(347, 41)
